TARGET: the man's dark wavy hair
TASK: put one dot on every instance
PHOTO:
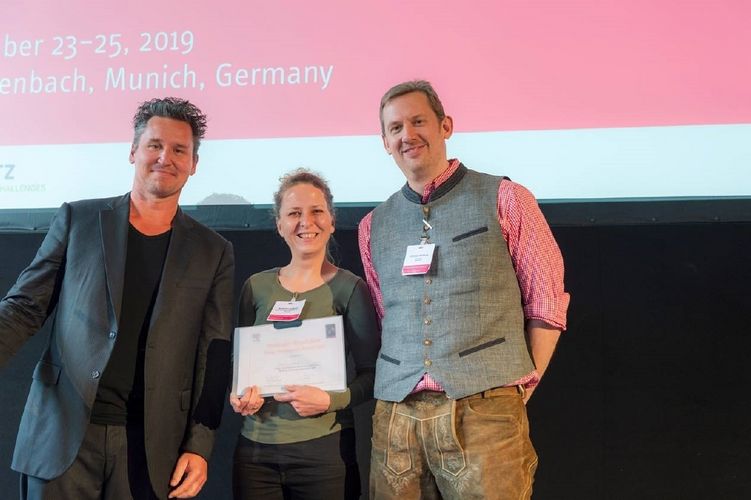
(174, 108)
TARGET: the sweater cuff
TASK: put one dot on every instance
(339, 400)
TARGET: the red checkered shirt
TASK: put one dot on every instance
(534, 254)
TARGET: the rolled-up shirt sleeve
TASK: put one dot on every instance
(371, 276)
(535, 255)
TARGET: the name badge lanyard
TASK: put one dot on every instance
(418, 258)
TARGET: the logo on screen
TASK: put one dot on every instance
(6, 172)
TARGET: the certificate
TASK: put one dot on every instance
(307, 353)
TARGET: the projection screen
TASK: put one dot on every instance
(578, 100)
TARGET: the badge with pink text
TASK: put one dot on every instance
(286, 310)
(418, 259)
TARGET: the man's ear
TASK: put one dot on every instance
(195, 164)
(386, 144)
(447, 127)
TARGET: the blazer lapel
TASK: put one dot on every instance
(113, 225)
(175, 264)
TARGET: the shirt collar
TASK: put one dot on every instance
(439, 186)
(430, 188)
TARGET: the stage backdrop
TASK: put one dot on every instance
(646, 398)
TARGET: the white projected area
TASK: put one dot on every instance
(689, 161)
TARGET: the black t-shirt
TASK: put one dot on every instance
(119, 398)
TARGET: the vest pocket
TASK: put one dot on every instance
(491, 343)
(389, 359)
(474, 232)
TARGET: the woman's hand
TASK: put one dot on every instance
(305, 399)
(250, 402)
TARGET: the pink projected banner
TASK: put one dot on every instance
(72, 72)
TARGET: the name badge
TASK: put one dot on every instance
(286, 310)
(418, 259)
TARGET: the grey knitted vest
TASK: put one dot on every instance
(462, 322)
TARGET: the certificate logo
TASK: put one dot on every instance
(330, 331)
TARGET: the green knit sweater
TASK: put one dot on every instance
(346, 295)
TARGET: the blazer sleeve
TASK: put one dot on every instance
(33, 297)
(213, 359)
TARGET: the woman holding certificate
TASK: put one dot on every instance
(300, 444)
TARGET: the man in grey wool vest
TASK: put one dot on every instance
(468, 282)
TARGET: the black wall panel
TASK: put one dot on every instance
(647, 396)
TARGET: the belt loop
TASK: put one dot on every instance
(522, 390)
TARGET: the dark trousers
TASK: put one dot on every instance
(324, 468)
(110, 465)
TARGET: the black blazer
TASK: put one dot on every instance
(78, 273)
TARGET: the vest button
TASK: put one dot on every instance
(427, 321)
(427, 342)
(95, 374)
(426, 228)
(112, 335)
(426, 210)
(426, 300)
(428, 281)
(428, 362)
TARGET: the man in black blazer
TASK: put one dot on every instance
(126, 398)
